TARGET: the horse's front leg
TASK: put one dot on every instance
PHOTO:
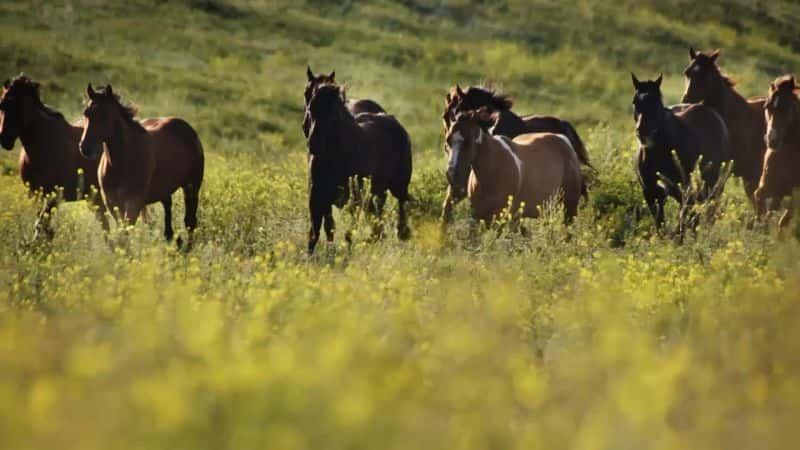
(42, 224)
(447, 207)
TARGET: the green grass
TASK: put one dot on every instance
(600, 336)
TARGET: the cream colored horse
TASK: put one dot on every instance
(531, 169)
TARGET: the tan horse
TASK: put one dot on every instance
(744, 118)
(142, 162)
(532, 169)
(49, 160)
(781, 172)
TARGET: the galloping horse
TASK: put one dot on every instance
(49, 159)
(744, 117)
(354, 106)
(341, 146)
(692, 132)
(142, 162)
(498, 115)
(781, 173)
(531, 169)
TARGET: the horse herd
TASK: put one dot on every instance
(496, 158)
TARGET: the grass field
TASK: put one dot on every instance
(600, 336)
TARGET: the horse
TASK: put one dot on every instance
(341, 146)
(691, 133)
(354, 106)
(142, 162)
(530, 169)
(506, 122)
(706, 83)
(49, 161)
(781, 162)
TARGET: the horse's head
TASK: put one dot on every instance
(326, 109)
(20, 97)
(462, 142)
(781, 110)
(313, 82)
(102, 111)
(703, 77)
(648, 109)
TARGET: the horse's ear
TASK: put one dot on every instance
(309, 73)
(635, 80)
(90, 92)
(447, 99)
(108, 90)
(715, 54)
(659, 80)
(692, 54)
(459, 92)
(794, 83)
(772, 86)
(332, 77)
(6, 84)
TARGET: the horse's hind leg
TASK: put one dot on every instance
(403, 231)
(191, 196)
(377, 202)
(168, 232)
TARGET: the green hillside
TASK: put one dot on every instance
(602, 335)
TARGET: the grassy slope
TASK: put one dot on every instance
(540, 343)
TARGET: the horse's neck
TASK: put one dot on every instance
(39, 136)
(124, 145)
(493, 163)
(509, 124)
(730, 104)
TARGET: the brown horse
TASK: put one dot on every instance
(744, 117)
(354, 106)
(531, 169)
(49, 160)
(342, 146)
(498, 115)
(781, 173)
(142, 162)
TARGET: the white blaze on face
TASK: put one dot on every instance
(696, 69)
(517, 162)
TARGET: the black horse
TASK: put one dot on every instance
(691, 133)
(354, 106)
(342, 146)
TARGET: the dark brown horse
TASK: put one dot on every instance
(781, 172)
(341, 146)
(695, 131)
(142, 162)
(530, 169)
(505, 122)
(49, 160)
(706, 83)
(354, 106)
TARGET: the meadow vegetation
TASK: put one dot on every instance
(602, 335)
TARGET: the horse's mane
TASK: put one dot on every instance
(127, 110)
(30, 87)
(497, 100)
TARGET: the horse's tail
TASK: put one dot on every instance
(577, 144)
(192, 139)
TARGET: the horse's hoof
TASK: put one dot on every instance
(404, 233)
